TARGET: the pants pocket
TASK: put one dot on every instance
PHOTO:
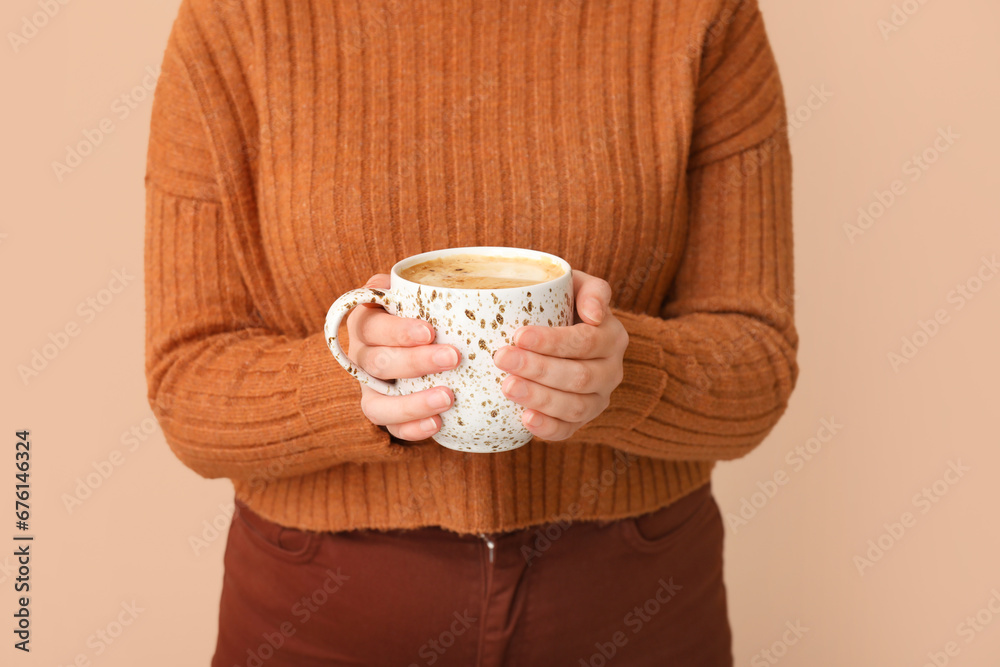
(660, 529)
(291, 545)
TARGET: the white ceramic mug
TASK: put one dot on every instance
(477, 322)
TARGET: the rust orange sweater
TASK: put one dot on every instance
(299, 146)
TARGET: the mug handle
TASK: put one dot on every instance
(338, 311)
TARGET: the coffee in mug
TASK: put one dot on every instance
(475, 298)
(470, 271)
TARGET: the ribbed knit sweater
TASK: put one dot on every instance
(300, 146)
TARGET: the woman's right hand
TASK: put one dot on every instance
(390, 347)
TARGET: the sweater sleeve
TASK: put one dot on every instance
(234, 397)
(710, 376)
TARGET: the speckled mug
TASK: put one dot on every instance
(477, 322)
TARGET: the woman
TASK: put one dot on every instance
(300, 147)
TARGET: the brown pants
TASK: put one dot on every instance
(631, 592)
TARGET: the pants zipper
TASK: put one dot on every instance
(487, 593)
(489, 544)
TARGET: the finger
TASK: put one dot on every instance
(377, 327)
(416, 430)
(562, 405)
(579, 341)
(593, 297)
(572, 375)
(547, 428)
(383, 410)
(391, 363)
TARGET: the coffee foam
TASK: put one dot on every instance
(482, 271)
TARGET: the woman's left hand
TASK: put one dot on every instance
(564, 376)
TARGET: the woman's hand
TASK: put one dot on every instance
(564, 376)
(391, 347)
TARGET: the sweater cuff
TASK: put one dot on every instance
(329, 400)
(643, 383)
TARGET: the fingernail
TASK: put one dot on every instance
(526, 339)
(511, 359)
(534, 419)
(446, 357)
(594, 310)
(439, 399)
(516, 389)
(420, 334)
(428, 425)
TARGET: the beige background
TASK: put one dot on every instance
(793, 562)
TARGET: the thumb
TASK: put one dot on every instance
(378, 281)
(593, 297)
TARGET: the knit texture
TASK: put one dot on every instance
(298, 147)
